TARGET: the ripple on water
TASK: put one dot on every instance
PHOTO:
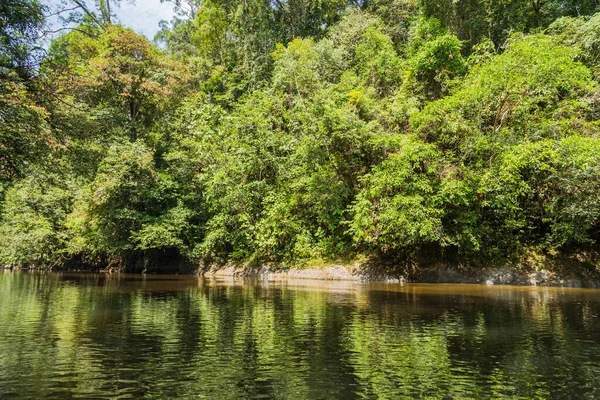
(81, 336)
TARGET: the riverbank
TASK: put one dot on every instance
(439, 274)
(531, 273)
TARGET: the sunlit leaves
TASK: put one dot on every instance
(122, 70)
(24, 132)
(397, 208)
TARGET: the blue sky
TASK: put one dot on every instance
(142, 16)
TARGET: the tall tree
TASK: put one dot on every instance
(20, 21)
(122, 72)
(99, 13)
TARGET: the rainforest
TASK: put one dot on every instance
(401, 133)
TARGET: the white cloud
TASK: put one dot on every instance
(143, 16)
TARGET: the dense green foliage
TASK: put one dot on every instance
(19, 22)
(280, 132)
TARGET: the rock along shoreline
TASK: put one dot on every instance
(488, 276)
(439, 274)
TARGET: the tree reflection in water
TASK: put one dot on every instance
(78, 335)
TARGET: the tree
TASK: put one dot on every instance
(283, 132)
(520, 95)
(186, 8)
(24, 132)
(32, 226)
(122, 71)
(398, 210)
(99, 13)
(473, 20)
(20, 21)
(545, 193)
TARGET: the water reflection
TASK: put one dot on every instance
(132, 336)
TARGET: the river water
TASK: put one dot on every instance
(134, 336)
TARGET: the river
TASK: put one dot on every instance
(159, 336)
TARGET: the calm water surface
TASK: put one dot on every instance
(130, 336)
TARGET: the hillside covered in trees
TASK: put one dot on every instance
(276, 132)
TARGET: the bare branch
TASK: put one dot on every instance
(88, 12)
(61, 11)
(68, 28)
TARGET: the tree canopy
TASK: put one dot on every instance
(283, 132)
